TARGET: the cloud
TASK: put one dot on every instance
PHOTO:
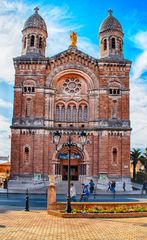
(5, 104)
(139, 92)
(4, 136)
(60, 22)
(10, 28)
(138, 114)
(59, 25)
(13, 14)
(140, 64)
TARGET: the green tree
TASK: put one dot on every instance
(143, 160)
(135, 157)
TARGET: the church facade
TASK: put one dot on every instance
(71, 92)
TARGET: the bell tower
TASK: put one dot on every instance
(111, 38)
(34, 35)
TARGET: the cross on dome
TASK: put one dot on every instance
(36, 9)
(110, 12)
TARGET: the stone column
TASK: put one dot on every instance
(51, 193)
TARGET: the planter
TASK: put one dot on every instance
(97, 215)
(80, 205)
(101, 210)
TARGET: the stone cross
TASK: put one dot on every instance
(110, 12)
(36, 9)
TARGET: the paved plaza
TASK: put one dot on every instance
(38, 225)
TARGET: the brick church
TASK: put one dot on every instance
(71, 90)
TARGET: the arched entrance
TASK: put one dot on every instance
(75, 162)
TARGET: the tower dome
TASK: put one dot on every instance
(34, 35)
(110, 23)
(35, 21)
(111, 38)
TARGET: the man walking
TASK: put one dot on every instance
(73, 192)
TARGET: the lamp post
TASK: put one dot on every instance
(69, 144)
(27, 201)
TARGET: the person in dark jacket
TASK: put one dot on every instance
(85, 194)
(124, 186)
(91, 186)
(113, 185)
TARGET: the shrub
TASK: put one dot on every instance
(117, 209)
(140, 176)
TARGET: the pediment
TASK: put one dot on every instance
(72, 54)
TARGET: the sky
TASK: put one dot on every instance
(84, 17)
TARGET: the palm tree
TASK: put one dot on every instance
(144, 162)
(135, 157)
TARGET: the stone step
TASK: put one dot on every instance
(62, 187)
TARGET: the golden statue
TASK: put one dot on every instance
(73, 38)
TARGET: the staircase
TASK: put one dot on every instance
(62, 187)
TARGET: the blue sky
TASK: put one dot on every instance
(85, 18)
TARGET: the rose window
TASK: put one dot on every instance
(72, 85)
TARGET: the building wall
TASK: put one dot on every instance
(41, 91)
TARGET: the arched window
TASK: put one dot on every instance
(114, 156)
(113, 43)
(25, 41)
(69, 113)
(40, 42)
(83, 169)
(110, 91)
(85, 113)
(114, 91)
(118, 91)
(27, 89)
(32, 42)
(74, 114)
(80, 113)
(26, 154)
(28, 107)
(57, 113)
(60, 112)
(105, 44)
(62, 115)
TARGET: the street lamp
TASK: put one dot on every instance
(56, 138)
(83, 139)
(69, 144)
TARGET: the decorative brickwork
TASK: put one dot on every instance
(71, 88)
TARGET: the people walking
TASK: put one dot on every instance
(91, 186)
(109, 186)
(113, 185)
(85, 193)
(72, 192)
(124, 186)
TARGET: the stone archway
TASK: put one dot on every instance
(80, 70)
(76, 162)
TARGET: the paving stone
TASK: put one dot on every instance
(38, 225)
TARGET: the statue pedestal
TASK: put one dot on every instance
(51, 193)
(102, 181)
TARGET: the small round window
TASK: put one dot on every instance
(72, 85)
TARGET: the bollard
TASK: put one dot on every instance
(46, 192)
(7, 192)
(27, 202)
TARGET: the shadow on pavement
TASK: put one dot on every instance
(2, 226)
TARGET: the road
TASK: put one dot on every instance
(39, 201)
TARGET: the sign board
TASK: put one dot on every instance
(37, 176)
